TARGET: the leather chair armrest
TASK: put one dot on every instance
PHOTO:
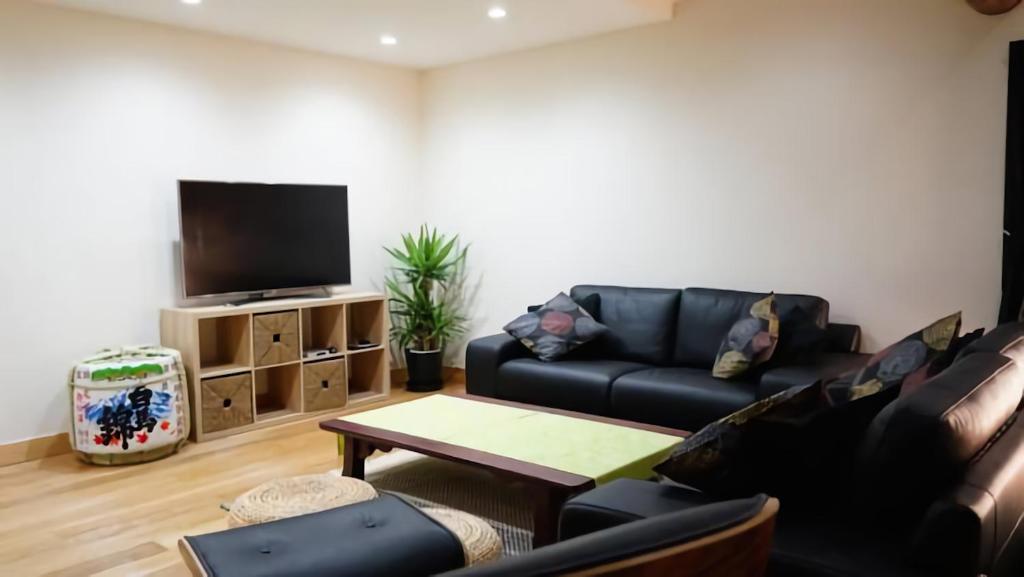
(978, 527)
(484, 356)
(623, 501)
(736, 534)
(819, 367)
(842, 338)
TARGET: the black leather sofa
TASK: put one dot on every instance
(655, 365)
(936, 490)
(387, 537)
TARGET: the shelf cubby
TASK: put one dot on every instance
(323, 327)
(367, 374)
(224, 344)
(278, 391)
(366, 322)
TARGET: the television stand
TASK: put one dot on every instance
(248, 368)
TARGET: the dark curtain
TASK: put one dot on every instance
(1013, 208)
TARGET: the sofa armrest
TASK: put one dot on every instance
(623, 501)
(735, 535)
(819, 367)
(841, 338)
(978, 528)
(484, 356)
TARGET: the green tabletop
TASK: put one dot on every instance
(600, 451)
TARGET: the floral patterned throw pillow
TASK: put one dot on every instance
(750, 342)
(558, 327)
(905, 364)
(727, 456)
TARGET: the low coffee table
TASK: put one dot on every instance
(555, 453)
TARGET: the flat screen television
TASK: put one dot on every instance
(243, 238)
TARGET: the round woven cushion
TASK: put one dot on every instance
(293, 496)
(480, 542)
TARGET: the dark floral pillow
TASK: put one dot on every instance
(558, 327)
(905, 364)
(795, 442)
(750, 341)
(713, 459)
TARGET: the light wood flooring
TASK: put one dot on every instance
(61, 518)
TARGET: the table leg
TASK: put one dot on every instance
(355, 458)
(547, 505)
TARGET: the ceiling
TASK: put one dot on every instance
(430, 33)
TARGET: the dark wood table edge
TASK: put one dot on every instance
(521, 470)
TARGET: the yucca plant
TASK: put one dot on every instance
(422, 299)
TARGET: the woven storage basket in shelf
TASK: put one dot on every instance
(480, 542)
(294, 496)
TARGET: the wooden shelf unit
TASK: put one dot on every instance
(229, 351)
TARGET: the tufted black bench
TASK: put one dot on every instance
(385, 536)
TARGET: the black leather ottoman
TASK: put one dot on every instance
(385, 536)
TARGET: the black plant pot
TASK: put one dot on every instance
(424, 370)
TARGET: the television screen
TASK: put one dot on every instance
(250, 238)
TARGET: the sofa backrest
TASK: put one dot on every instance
(706, 315)
(1006, 339)
(920, 445)
(642, 321)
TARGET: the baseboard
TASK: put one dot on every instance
(33, 449)
(451, 375)
(59, 444)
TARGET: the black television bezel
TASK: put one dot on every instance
(258, 293)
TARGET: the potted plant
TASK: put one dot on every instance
(423, 300)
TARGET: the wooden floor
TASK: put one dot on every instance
(60, 517)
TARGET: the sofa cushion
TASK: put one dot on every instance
(750, 341)
(816, 544)
(820, 367)
(678, 397)
(558, 327)
(575, 385)
(920, 443)
(642, 321)
(705, 316)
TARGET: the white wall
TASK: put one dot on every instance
(852, 150)
(99, 117)
(848, 149)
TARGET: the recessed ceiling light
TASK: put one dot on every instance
(388, 40)
(192, 2)
(497, 13)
